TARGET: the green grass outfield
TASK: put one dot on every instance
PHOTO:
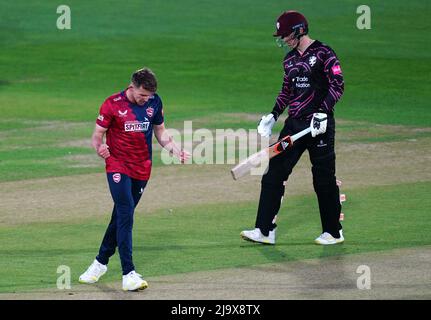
(212, 59)
(207, 237)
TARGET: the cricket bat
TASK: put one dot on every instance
(244, 167)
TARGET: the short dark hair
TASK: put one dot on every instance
(146, 78)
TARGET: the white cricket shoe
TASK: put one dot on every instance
(326, 238)
(133, 281)
(257, 236)
(93, 273)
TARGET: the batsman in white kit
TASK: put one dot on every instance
(312, 85)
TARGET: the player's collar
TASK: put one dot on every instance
(308, 47)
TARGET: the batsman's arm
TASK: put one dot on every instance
(101, 148)
(167, 142)
(335, 78)
(282, 100)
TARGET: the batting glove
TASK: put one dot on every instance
(265, 125)
(318, 124)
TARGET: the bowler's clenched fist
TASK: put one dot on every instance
(103, 151)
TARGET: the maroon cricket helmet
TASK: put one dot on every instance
(291, 21)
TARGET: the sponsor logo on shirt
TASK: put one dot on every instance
(136, 126)
(336, 70)
(150, 111)
(100, 117)
(301, 82)
(122, 113)
(117, 99)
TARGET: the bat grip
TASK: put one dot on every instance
(300, 134)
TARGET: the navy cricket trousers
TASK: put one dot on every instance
(126, 193)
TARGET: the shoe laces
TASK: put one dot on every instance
(257, 232)
(134, 274)
(326, 236)
(94, 269)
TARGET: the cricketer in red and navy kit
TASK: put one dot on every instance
(129, 134)
(128, 120)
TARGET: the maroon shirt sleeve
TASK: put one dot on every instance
(332, 70)
(282, 100)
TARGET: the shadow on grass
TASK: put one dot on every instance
(4, 83)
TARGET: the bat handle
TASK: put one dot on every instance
(300, 134)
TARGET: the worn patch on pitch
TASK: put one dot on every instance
(393, 274)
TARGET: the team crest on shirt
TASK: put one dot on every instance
(312, 61)
(116, 177)
(150, 111)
